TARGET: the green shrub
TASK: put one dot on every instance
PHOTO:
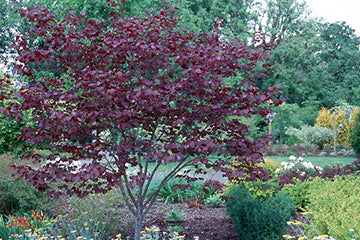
(10, 130)
(270, 165)
(262, 189)
(102, 207)
(16, 196)
(316, 135)
(355, 136)
(298, 193)
(257, 219)
(175, 216)
(214, 200)
(171, 192)
(334, 205)
(175, 229)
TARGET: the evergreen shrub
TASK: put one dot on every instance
(334, 205)
(258, 219)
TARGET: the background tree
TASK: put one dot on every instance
(355, 136)
(344, 117)
(287, 115)
(153, 89)
(342, 57)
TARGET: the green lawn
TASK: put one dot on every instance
(320, 161)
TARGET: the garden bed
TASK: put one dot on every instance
(206, 222)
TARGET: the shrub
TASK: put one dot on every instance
(83, 225)
(334, 205)
(262, 190)
(256, 219)
(270, 165)
(175, 216)
(214, 200)
(316, 135)
(178, 190)
(298, 192)
(10, 130)
(16, 196)
(355, 136)
(102, 207)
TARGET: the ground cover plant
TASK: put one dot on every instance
(125, 92)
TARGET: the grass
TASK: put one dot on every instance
(320, 161)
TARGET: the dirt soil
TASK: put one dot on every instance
(207, 223)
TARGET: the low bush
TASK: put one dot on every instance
(316, 135)
(175, 216)
(270, 165)
(214, 201)
(256, 219)
(178, 190)
(105, 208)
(334, 205)
(16, 196)
(298, 192)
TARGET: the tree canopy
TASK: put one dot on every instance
(129, 91)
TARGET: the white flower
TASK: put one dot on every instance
(308, 165)
(300, 159)
(292, 158)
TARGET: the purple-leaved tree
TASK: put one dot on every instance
(133, 91)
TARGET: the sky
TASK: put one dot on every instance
(337, 10)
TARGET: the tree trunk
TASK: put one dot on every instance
(138, 223)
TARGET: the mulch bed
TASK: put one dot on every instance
(207, 223)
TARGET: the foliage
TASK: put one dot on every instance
(344, 121)
(175, 216)
(287, 115)
(270, 165)
(15, 226)
(341, 56)
(333, 202)
(175, 229)
(178, 190)
(16, 196)
(103, 207)
(72, 228)
(154, 233)
(156, 88)
(312, 135)
(214, 200)
(256, 219)
(298, 231)
(355, 136)
(298, 192)
(262, 190)
(10, 129)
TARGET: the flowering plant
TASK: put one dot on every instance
(300, 166)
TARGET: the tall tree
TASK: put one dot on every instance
(284, 18)
(342, 57)
(142, 90)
